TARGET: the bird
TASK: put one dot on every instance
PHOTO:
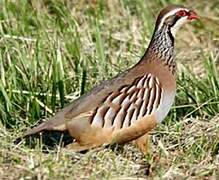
(127, 107)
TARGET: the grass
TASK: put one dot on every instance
(53, 51)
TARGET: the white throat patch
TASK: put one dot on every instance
(178, 24)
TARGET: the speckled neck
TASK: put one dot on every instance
(162, 48)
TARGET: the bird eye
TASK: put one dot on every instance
(181, 13)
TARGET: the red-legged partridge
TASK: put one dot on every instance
(131, 104)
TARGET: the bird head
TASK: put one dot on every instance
(173, 17)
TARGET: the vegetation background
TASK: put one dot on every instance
(53, 51)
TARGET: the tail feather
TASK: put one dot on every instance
(43, 126)
(56, 123)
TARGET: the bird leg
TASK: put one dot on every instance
(142, 143)
(76, 147)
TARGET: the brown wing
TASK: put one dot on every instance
(83, 104)
(128, 104)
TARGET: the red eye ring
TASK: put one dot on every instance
(182, 13)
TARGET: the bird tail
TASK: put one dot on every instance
(43, 126)
(50, 125)
(35, 130)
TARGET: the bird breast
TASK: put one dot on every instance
(165, 105)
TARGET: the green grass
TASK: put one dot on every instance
(51, 52)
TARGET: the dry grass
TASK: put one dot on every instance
(187, 149)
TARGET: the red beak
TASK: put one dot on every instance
(192, 15)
